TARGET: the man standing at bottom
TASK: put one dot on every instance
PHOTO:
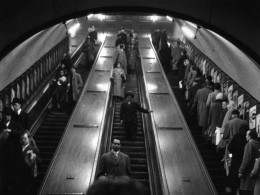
(128, 115)
(114, 163)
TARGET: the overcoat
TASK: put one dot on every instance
(119, 56)
(118, 73)
(232, 127)
(76, 84)
(251, 153)
(256, 174)
(200, 102)
(215, 115)
(113, 166)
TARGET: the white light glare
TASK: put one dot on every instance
(90, 16)
(188, 32)
(73, 29)
(68, 21)
(154, 18)
(192, 24)
(101, 17)
(169, 18)
(103, 37)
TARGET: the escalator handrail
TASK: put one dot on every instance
(198, 155)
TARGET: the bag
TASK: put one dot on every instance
(3, 137)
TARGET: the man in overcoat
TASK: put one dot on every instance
(200, 103)
(75, 84)
(251, 153)
(128, 115)
(9, 149)
(114, 163)
(19, 115)
(232, 127)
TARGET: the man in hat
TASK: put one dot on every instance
(20, 116)
(114, 163)
(128, 115)
(9, 148)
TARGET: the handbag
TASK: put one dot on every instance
(222, 145)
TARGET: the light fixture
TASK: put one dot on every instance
(190, 33)
(191, 24)
(169, 18)
(68, 21)
(90, 16)
(73, 29)
(154, 18)
(101, 17)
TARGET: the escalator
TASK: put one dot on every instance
(134, 149)
(47, 138)
(211, 158)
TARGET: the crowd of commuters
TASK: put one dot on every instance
(19, 153)
(220, 124)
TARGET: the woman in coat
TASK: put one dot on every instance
(75, 84)
(255, 174)
(119, 79)
(236, 148)
(119, 56)
(251, 152)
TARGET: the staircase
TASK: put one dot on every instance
(211, 158)
(134, 149)
(47, 138)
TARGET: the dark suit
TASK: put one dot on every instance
(112, 166)
(22, 118)
(9, 151)
(22, 182)
(128, 113)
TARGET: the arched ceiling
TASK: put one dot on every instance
(236, 20)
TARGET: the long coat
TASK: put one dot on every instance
(251, 152)
(112, 166)
(215, 115)
(118, 81)
(192, 93)
(256, 174)
(24, 174)
(119, 56)
(76, 84)
(22, 119)
(132, 57)
(236, 147)
(128, 113)
(10, 149)
(200, 102)
(232, 127)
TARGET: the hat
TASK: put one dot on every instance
(129, 93)
(7, 111)
(17, 100)
(197, 80)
